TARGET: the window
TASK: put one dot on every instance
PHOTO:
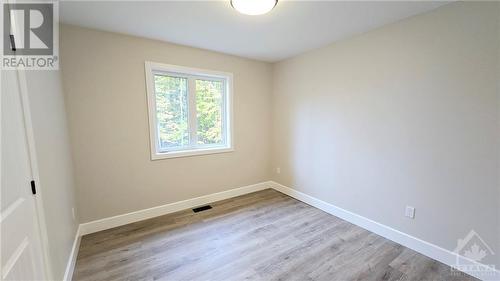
(189, 110)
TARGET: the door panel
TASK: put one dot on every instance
(21, 255)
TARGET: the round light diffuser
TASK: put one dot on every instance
(253, 7)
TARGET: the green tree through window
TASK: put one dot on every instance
(171, 111)
(189, 110)
(209, 102)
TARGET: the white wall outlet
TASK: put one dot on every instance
(410, 212)
(278, 170)
(73, 214)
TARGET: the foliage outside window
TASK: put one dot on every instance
(189, 111)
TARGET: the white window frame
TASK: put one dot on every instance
(152, 68)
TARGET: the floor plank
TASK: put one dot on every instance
(264, 235)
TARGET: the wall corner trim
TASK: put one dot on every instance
(423, 247)
(70, 267)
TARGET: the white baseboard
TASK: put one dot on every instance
(70, 267)
(107, 223)
(416, 244)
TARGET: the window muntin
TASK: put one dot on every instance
(189, 111)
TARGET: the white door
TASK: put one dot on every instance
(21, 253)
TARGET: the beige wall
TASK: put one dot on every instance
(407, 114)
(105, 89)
(404, 115)
(54, 163)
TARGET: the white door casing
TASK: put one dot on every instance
(21, 212)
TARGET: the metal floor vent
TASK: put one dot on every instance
(202, 208)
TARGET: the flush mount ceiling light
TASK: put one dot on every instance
(253, 7)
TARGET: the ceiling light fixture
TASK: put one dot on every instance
(253, 7)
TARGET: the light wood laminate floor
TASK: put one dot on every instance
(264, 235)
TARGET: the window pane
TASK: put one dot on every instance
(209, 107)
(171, 112)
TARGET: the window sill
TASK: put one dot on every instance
(189, 153)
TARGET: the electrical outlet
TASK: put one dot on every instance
(410, 212)
(73, 214)
(278, 170)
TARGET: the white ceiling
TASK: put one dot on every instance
(293, 27)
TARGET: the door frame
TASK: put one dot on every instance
(41, 226)
(40, 213)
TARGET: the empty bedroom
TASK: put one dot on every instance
(250, 140)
